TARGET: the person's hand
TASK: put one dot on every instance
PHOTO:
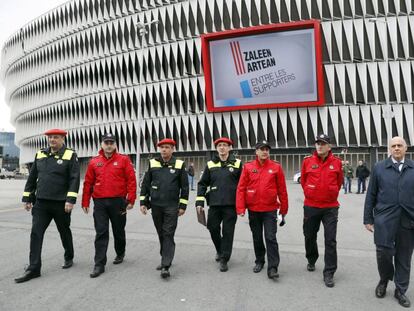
(369, 227)
(181, 212)
(143, 209)
(130, 206)
(27, 206)
(199, 209)
(241, 215)
(283, 222)
(68, 207)
(85, 209)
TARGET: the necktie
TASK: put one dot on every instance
(398, 165)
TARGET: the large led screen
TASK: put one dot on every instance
(269, 66)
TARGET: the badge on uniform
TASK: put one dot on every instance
(331, 167)
(99, 164)
(115, 163)
(60, 161)
(231, 169)
(315, 166)
(270, 171)
(172, 171)
(254, 171)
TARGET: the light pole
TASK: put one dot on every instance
(388, 113)
(142, 31)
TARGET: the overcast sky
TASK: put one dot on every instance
(13, 15)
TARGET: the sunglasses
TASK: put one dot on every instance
(109, 142)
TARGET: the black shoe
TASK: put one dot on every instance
(97, 271)
(310, 267)
(217, 257)
(165, 273)
(329, 282)
(67, 264)
(223, 266)
(159, 267)
(258, 267)
(402, 299)
(272, 273)
(381, 289)
(357, 193)
(27, 276)
(118, 259)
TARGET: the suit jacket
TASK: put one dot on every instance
(390, 192)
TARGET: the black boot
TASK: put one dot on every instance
(165, 272)
(381, 289)
(97, 271)
(402, 299)
(27, 276)
(223, 266)
(67, 264)
(118, 259)
(258, 267)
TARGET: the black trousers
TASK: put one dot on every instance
(105, 210)
(311, 222)
(43, 212)
(361, 184)
(222, 239)
(267, 222)
(402, 254)
(165, 221)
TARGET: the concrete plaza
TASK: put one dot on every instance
(196, 282)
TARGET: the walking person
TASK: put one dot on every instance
(50, 193)
(321, 180)
(219, 183)
(165, 191)
(110, 180)
(362, 173)
(389, 214)
(349, 174)
(191, 174)
(262, 191)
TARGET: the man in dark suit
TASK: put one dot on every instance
(389, 209)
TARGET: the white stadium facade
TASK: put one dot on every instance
(83, 67)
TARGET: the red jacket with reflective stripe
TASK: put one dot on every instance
(109, 178)
(321, 180)
(262, 188)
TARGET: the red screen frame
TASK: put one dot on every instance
(308, 24)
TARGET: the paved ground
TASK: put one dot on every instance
(196, 283)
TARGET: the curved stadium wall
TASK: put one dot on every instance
(82, 67)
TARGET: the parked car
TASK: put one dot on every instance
(6, 174)
(296, 177)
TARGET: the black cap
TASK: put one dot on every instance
(323, 138)
(108, 137)
(263, 143)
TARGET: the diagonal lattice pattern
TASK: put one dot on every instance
(82, 67)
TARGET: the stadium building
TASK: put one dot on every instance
(84, 67)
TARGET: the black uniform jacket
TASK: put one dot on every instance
(219, 182)
(165, 184)
(53, 176)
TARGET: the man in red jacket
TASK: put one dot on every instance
(321, 180)
(110, 180)
(262, 190)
